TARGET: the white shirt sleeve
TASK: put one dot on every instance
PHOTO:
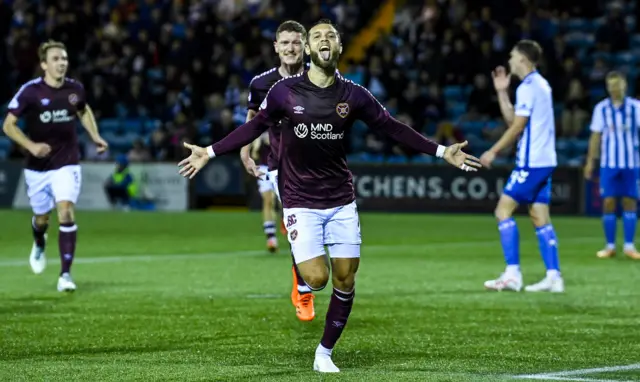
(597, 119)
(524, 101)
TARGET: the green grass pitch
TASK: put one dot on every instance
(195, 297)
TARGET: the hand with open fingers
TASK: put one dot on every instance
(190, 166)
(487, 158)
(456, 157)
(40, 150)
(501, 79)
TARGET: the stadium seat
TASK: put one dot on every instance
(456, 109)
(624, 58)
(635, 41)
(133, 125)
(452, 92)
(4, 154)
(422, 159)
(109, 125)
(472, 126)
(397, 159)
(5, 143)
(151, 125)
(578, 25)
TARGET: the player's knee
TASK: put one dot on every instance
(501, 213)
(65, 212)
(539, 215)
(41, 220)
(317, 281)
(609, 205)
(629, 204)
(344, 282)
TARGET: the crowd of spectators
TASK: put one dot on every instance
(183, 66)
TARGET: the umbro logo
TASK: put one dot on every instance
(298, 109)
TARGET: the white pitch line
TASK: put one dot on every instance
(608, 369)
(556, 378)
(567, 374)
(195, 256)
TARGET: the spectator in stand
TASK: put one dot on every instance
(575, 114)
(613, 35)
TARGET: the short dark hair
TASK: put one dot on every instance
(44, 48)
(325, 21)
(531, 50)
(291, 26)
(615, 75)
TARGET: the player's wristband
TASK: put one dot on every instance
(440, 151)
(210, 152)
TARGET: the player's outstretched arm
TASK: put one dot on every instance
(507, 139)
(371, 112)
(501, 81)
(11, 129)
(416, 141)
(238, 138)
(89, 123)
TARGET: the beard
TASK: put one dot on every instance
(329, 65)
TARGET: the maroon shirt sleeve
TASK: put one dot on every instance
(82, 97)
(371, 112)
(270, 112)
(20, 102)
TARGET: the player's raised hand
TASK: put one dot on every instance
(101, 145)
(487, 158)
(190, 166)
(501, 79)
(40, 150)
(456, 157)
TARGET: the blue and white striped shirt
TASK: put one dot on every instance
(619, 129)
(537, 145)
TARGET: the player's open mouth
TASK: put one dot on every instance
(325, 52)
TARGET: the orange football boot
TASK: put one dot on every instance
(632, 253)
(302, 302)
(272, 245)
(606, 253)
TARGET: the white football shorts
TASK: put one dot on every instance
(309, 230)
(46, 188)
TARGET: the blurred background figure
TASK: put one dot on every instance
(121, 187)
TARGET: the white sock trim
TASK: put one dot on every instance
(323, 351)
(73, 228)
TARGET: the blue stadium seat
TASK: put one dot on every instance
(397, 159)
(4, 154)
(581, 145)
(472, 126)
(456, 109)
(635, 41)
(452, 92)
(579, 39)
(109, 125)
(597, 94)
(624, 58)
(151, 125)
(133, 125)
(5, 143)
(422, 159)
(121, 142)
(578, 25)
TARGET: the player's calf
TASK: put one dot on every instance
(340, 305)
(66, 243)
(37, 258)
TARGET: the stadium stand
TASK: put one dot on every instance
(159, 72)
